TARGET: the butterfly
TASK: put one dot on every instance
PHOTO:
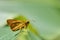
(17, 24)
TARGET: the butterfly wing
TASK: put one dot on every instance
(15, 24)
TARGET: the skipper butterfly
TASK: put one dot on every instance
(17, 24)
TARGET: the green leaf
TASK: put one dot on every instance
(30, 26)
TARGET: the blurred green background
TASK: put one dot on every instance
(44, 14)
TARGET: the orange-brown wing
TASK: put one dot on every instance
(10, 21)
(14, 23)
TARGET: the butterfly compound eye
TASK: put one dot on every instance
(27, 22)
